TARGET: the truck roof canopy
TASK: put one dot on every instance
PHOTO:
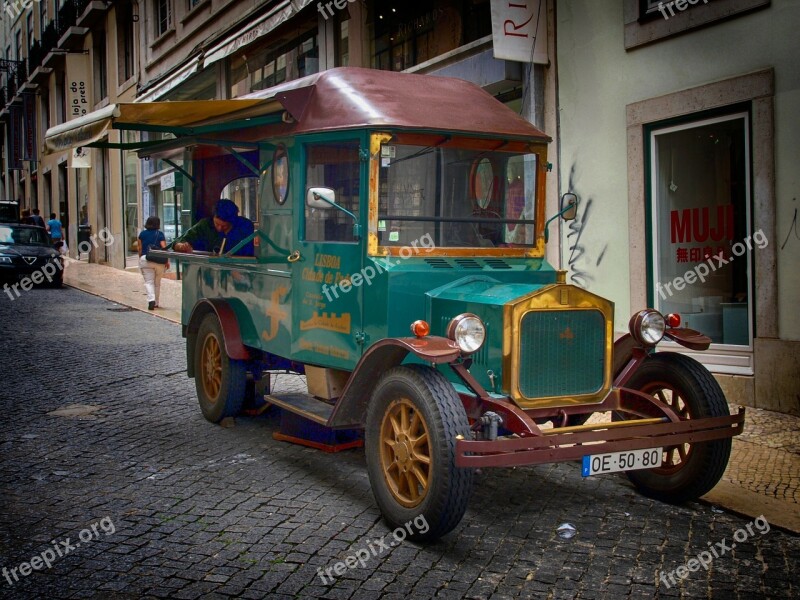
(336, 99)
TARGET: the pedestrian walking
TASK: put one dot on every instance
(152, 238)
(37, 219)
(56, 232)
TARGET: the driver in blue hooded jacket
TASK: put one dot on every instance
(218, 233)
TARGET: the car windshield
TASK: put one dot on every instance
(11, 234)
(460, 197)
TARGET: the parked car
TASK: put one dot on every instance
(26, 250)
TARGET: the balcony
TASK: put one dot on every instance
(91, 12)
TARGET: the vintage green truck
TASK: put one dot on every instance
(400, 265)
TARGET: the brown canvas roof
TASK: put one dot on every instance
(341, 98)
(350, 97)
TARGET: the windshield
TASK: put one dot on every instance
(10, 234)
(461, 198)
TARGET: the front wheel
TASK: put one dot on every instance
(413, 419)
(220, 380)
(688, 470)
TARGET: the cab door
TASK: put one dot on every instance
(326, 267)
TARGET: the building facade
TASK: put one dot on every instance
(64, 58)
(678, 126)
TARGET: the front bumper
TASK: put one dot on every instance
(601, 439)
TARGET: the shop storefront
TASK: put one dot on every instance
(702, 241)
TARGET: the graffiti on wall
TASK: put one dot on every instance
(581, 259)
(792, 228)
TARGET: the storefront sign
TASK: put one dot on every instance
(80, 158)
(519, 30)
(168, 181)
(78, 82)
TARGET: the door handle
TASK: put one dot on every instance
(294, 256)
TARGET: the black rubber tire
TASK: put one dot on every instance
(449, 487)
(226, 401)
(704, 462)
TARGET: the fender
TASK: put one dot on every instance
(628, 354)
(351, 408)
(694, 340)
(231, 332)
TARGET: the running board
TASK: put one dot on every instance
(305, 405)
(304, 421)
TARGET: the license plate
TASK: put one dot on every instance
(627, 460)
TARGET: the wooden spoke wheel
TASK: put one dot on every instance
(413, 418)
(687, 470)
(219, 380)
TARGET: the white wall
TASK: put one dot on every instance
(597, 78)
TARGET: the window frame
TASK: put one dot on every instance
(642, 28)
(316, 143)
(159, 19)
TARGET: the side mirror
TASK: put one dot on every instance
(569, 207)
(320, 197)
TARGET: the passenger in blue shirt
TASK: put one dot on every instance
(219, 233)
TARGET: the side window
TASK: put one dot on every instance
(335, 167)
(244, 193)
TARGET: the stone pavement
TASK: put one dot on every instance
(763, 475)
(105, 458)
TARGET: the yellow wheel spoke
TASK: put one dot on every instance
(422, 478)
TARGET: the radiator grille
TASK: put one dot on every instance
(562, 353)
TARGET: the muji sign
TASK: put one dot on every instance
(519, 30)
(693, 225)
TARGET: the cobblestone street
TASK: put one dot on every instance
(101, 425)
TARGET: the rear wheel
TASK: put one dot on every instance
(688, 470)
(220, 381)
(412, 423)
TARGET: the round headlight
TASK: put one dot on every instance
(468, 331)
(647, 327)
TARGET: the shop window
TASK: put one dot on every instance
(701, 237)
(409, 33)
(130, 201)
(260, 68)
(335, 167)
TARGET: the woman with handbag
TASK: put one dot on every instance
(153, 267)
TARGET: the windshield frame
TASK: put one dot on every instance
(450, 140)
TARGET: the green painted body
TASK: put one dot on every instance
(295, 310)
